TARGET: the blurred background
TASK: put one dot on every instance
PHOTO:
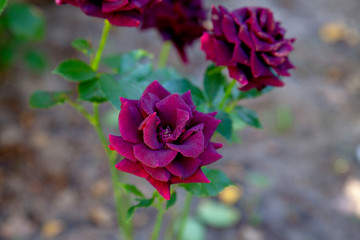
(298, 178)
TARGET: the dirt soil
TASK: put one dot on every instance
(55, 182)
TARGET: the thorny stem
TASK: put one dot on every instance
(164, 54)
(184, 215)
(158, 222)
(121, 199)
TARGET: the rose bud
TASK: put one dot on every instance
(164, 139)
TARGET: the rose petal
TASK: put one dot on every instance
(229, 28)
(124, 148)
(162, 187)
(183, 167)
(197, 177)
(160, 174)
(191, 147)
(210, 122)
(240, 56)
(209, 156)
(188, 99)
(129, 166)
(273, 60)
(153, 158)
(148, 102)
(190, 131)
(129, 121)
(156, 89)
(181, 121)
(149, 127)
(237, 74)
(257, 67)
(167, 109)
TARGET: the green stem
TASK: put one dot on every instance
(227, 94)
(158, 222)
(164, 54)
(184, 215)
(121, 201)
(96, 61)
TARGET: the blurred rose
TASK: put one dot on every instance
(179, 21)
(251, 44)
(119, 12)
(164, 139)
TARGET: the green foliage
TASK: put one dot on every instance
(25, 21)
(213, 81)
(75, 71)
(111, 89)
(22, 26)
(217, 214)
(3, 4)
(183, 85)
(43, 99)
(36, 60)
(83, 45)
(91, 91)
(132, 189)
(218, 181)
(248, 116)
(225, 127)
(123, 63)
(142, 203)
(172, 200)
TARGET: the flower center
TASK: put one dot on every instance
(165, 134)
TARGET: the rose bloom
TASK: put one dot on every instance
(251, 44)
(179, 21)
(164, 139)
(119, 12)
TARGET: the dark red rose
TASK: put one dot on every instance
(179, 21)
(251, 44)
(119, 12)
(164, 139)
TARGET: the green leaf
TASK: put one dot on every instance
(25, 21)
(213, 81)
(254, 93)
(132, 189)
(111, 89)
(3, 4)
(217, 214)
(126, 62)
(83, 46)
(36, 60)
(91, 91)
(225, 127)
(184, 85)
(218, 181)
(75, 71)
(172, 200)
(248, 116)
(43, 99)
(143, 203)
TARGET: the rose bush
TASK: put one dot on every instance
(164, 139)
(251, 44)
(119, 12)
(180, 21)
